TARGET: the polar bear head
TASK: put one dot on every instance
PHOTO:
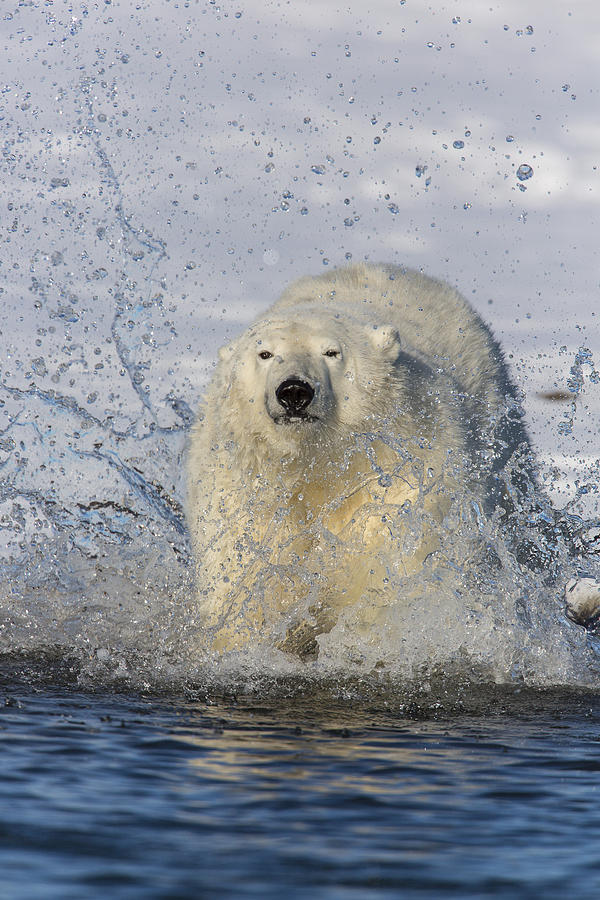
(296, 384)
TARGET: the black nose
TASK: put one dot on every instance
(294, 395)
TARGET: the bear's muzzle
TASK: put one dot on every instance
(295, 395)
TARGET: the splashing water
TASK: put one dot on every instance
(95, 557)
(93, 533)
(474, 611)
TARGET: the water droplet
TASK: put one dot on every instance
(420, 170)
(269, 167)
(393, 208)
(304, 211)
(66, 313)
(318, 170)
(271, 257)
(458, 145)
(38, 366)
(349, 222)
(509, 138)
(524, 172)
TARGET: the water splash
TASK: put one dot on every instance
(575, 384)
(94, 547)
(95, 560)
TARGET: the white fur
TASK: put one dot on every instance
(293, 520)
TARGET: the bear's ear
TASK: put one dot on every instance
(386, 339)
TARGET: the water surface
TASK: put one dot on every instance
(467, 794)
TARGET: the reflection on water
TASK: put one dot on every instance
(305, 797)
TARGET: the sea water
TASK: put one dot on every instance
(492, 794)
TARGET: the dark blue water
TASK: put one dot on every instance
(473, 793)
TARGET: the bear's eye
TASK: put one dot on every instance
(332, 352)
(265, 354)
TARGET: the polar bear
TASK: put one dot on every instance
(334, 439)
